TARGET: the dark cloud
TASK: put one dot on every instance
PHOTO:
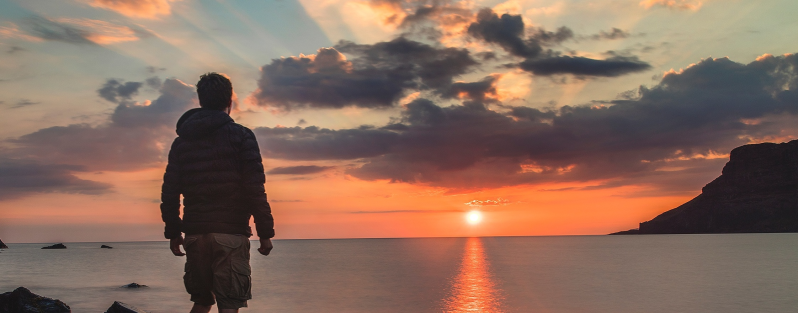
(81, 31)
(24, 103)
(176, 97)
(298, 170)
(153, 69)
(477, 91)
(435, 67)
(614, 33)
(133, 138)
(114, 90)
(666, 135)
(19, 178)
(313, 143)
(154, 82)
(375, 76)
(581, 66)
(439, 12)
(15, 49)
(429, 19)
(378, 75)
(509, 32)
(548, 38)
(49, 30)
(326, 80)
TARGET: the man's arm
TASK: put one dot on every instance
(253, 180)
(170, 198)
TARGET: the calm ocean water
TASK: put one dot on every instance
(657, 273)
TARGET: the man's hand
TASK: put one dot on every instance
(265, 246)
(174, 245)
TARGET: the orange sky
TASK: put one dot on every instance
(626, 115)
(338, 206)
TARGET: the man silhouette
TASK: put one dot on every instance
(216, 165)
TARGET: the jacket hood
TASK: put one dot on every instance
(199, 122)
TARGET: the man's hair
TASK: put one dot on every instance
(215, 91)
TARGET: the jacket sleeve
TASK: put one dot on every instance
(253, 180)
(170, 195)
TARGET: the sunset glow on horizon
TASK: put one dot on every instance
(391, 118)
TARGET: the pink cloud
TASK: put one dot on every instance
(11, 30)
(101, 32)
(692, 5)
(488, 202)
(135, 8)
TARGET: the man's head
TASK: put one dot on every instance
(215, 91)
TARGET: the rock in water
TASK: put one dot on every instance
(757, 192)
(134, 285)
(119, 307)
(2, 245)
(56, 246)
(106, 247)
(22, 300)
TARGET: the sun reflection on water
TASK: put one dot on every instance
(473, 290)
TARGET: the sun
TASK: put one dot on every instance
(474, 217)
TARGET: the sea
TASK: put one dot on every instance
(613, 274)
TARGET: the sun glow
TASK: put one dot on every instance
(474, 217)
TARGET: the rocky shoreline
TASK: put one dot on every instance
(22, 300)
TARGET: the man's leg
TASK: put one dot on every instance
(199, 308)
(198, 278)
(231, 272)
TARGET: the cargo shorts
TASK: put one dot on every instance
(217, 267)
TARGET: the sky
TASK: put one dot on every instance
(391, 118)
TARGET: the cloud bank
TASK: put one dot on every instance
(703, 109)
(379, 75)
(376, 76)
(133, 138)
(509, 32)
(19, 178)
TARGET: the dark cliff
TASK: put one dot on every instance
(757, 192)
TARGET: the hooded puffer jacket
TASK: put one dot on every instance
(216, 165)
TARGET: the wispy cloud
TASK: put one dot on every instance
(149, 9)
(24, 103)
(298, 170)
(102, 32)
(12, 30)
(71, 30)
(479, 203)
(692, 5)
(15, 49)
